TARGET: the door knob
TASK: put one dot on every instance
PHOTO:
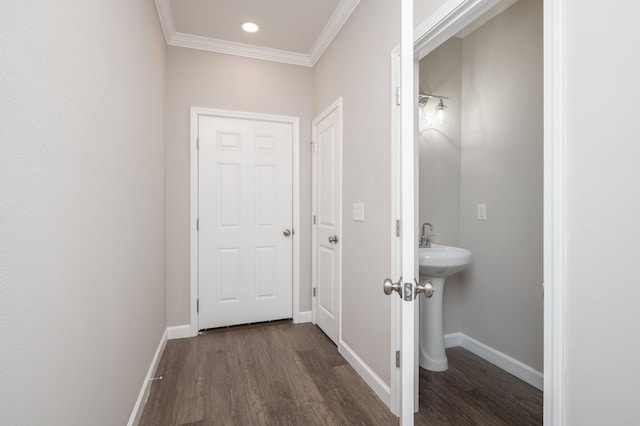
(287, 232)
(389, 286)
(426, 288)
(333, 239)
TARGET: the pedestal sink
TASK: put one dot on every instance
(436, 263)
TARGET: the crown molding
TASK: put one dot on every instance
(334, 25)
(239, 49)
(332, 28)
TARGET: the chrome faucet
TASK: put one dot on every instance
(425, 239)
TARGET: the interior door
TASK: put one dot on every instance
(327, 212)
(405, 285)
(244, 218)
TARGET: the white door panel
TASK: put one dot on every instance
(245, 203)
(327, 231)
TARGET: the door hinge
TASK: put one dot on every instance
(397, 228)
(398, 359)
(314, 219)
(198, 305)
(198, 143)
(314, 292)
(313, 146)
(397, 95)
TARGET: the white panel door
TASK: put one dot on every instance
(245, 211)
(327, 167)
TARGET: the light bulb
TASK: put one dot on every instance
(440, 115)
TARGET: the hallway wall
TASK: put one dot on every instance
(212, 80)
(82, 299)
(357, 66)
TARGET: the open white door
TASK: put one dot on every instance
(406, 286)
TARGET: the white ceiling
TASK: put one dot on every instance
(291, 31)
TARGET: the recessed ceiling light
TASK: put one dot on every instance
(250, 27)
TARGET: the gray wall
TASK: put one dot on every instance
(82, 300)
(439, 149)
(603, 206)
(502, 146)
(211, 80)
(357, 66)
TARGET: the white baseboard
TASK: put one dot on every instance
(178, 332)
(306, 316)
(378, 386)
(134, 419)
(497, 358)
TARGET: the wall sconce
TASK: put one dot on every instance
(423, 99)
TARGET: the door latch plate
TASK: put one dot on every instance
(408, 292)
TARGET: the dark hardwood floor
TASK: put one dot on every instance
(475, 392)
(285, 374)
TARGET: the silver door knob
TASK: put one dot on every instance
(333, 239)
(389, 286)
(426, 288)
(287, 232)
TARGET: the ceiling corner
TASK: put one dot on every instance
(166, 18)
(332, 28)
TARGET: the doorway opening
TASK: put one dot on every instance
(477, 22)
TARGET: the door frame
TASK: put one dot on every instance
(452, 17)
(337, 104)
(195, 113)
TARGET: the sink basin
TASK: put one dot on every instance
(442, 261)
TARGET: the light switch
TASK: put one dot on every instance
(358, 212)
(482, 212)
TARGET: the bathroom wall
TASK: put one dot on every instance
(82, 298)
(212, 80)
(439, 150)
(357, 66)
(501, 164)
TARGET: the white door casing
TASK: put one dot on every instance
(245, 202)
(327, 219)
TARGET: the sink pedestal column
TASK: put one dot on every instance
(432, 354)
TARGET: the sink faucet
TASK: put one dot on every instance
(425, 239)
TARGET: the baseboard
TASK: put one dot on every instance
(497, 358)
(306, 316)
(134, 419)
(178, 332)
(378, 386)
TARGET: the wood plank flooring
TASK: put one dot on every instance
(285, 374)
(475, 392)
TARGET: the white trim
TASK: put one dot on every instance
(138, 408)
(178, 332)
(295, 123)
(337, 104)
(335, 23)
(554, 213)
(447, 21)
(239, 49)
(395, 239)
(450, 19)
(306, 316)
(332, 28)
(376, 384)
(499, 359)
(501, 7)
